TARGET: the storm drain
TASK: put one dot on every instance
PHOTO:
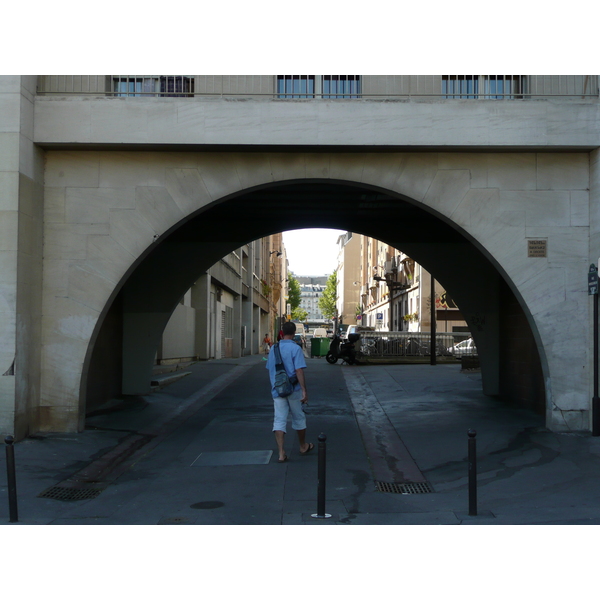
(65, 493)
(403, 488)
(174, 521)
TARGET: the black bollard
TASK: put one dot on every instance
(472, 473)
(11, 479)
(321, 514)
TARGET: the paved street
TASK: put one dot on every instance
(201, 451)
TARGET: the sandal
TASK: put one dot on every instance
(310, 447)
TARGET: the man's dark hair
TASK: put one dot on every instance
(288, 328)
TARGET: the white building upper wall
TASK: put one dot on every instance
(425, 123)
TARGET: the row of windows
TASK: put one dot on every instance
(163, 85)
(488, 87)
(325, 86)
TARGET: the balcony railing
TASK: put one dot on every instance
(325, 87)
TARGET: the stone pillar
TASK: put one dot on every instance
(201, 301)
(21, 238)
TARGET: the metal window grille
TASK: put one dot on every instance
(483, 87)
(295, 86)
(341, 86)
(320, 86)
(152, 85)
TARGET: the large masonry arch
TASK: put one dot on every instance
(117, 224)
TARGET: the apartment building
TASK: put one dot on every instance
(227, 312)
(349, 278)
(395, 292)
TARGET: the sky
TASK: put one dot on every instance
(312, 252)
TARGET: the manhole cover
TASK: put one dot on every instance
(67, 494)
(403, 488)
(208, 504)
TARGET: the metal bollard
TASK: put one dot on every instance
(321, 514)
(472, 473)
(11, 479)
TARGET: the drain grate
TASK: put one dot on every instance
(403, 488)
(174, 521)
(65, 493)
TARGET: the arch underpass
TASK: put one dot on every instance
(122, 348)
(126, 233)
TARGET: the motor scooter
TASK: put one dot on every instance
(344, 350)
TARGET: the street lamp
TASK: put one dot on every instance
(393, 285)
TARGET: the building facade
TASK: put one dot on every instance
(311, 290)
(118, 193)
(227, 312)
(389, 291)
(348, 278)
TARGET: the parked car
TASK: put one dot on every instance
(466, 347)
(300, 340)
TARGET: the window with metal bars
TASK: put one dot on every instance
(341, 86)
(481, 87)
(295, 86)
(318, 86)
(155, 85)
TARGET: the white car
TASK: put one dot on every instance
(466, 347)
(320, 332)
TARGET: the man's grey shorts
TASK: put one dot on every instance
(284, 406)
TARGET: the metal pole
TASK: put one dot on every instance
(472, 473)
(593, 291)
(432, 353)
(11, 479)
(321, 514)
(595, 399)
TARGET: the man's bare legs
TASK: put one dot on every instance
(279, 437)
(304, 447)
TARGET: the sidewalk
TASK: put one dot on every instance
(201, 451)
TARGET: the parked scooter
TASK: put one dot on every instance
(344, 350)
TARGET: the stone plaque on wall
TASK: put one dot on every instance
(537, 248)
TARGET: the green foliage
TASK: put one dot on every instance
(328, 298)
(299, 314)
(265, 288)
(294, 293)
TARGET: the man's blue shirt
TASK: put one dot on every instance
(292, 357)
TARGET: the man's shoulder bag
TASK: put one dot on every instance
(283, 385)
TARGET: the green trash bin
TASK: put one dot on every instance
(319, 346)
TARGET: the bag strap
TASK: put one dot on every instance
(278, 361)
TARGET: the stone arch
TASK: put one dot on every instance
(119, 210)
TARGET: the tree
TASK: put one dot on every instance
(327, 301)
(294, 293)
(299, 314)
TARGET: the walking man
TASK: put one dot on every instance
(294, 363)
